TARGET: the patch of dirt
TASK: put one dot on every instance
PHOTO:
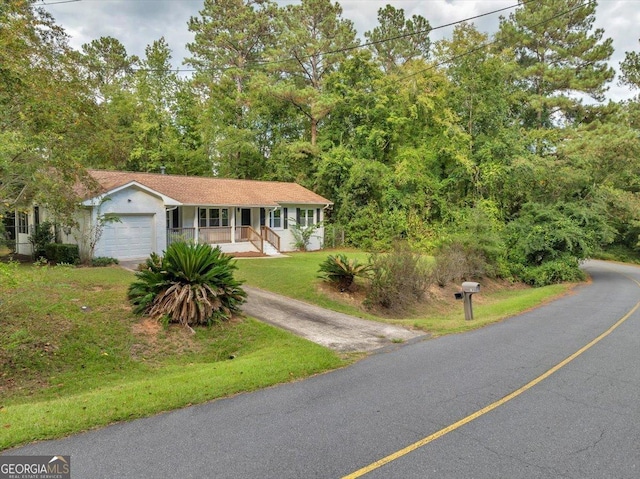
(147, 327)
(436, 299)
(354, 296)
(152, 340)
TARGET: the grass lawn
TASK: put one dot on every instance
(73, 357)
(297, 276)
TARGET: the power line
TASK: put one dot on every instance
(363, 45)
(428, 30)
(61, 1)
(484, 45)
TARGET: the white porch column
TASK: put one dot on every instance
(196, 223)
(232, 219)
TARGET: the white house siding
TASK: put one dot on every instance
(189, 219)
(23, 245)
(287, 240)
(142, 226)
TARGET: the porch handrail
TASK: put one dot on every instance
(271, 237)
(214, 234)
(254, 238)
(180, 234)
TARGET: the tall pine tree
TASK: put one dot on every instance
(561, 57)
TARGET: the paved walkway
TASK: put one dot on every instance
(331, 329)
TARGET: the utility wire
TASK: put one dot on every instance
(355, 47)
(405, 35)
(61, 1)
(487, 44)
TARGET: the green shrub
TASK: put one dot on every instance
(342, 271)
(472, 246)
(565, 269)
(302, 234)
(103, 261)
(62, 253)
(191, 285)
(41, 237)
(550, 232)
(398, 279)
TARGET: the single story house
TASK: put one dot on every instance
(154, 210)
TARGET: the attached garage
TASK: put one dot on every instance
(131, 238)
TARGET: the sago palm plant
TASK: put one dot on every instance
(190, 285)
(342, 271)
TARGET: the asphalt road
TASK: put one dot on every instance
(579, 420)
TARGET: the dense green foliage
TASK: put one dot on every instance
(410, 138)
(190, 285)
(101, 261)
(62, 253)
(42, 235)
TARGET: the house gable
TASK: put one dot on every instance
(132, 185)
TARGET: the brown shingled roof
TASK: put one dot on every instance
(195, 190)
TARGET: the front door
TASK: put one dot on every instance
(245, 220)
(245, 217)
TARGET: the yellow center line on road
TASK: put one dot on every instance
(490, 407)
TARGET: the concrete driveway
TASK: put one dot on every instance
(337, 331)
(331, 329)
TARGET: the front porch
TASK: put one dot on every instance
(230, 239)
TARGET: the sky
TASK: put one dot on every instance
(138, 23)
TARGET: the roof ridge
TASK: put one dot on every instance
(173, 175)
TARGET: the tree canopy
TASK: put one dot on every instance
(410, 138)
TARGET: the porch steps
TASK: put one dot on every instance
(269, 249)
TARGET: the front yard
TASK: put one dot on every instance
(74, 357)
(438, 313)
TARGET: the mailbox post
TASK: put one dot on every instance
(468, 289)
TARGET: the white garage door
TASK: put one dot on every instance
(131, 238)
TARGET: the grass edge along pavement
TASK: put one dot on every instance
(171, 388)
(296, 276)
(74, 369)
(175, 384)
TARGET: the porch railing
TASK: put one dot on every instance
(242, 233)
(254, 237)
(214, 235)
(271, 236)
(217, 235)
(181, 234)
